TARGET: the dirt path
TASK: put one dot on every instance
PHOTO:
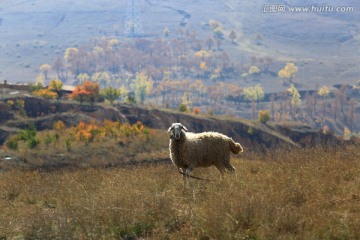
(185, 15)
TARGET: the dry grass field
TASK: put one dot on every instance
(284, 194)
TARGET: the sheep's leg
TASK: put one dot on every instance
(188, 170)
(186, 177)
(221, 170)
(231, 170)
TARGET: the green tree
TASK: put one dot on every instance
(110, 94)
(264, 116)
(12, 143)
(141, 86)
(29, 135)
(254, 94)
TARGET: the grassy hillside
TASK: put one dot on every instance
(296, 194)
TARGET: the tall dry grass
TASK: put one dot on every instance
(292, 194)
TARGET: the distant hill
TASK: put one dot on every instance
(255, 136)
(325, 45)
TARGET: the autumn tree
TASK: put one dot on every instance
(70, 57)
(209, 43)
(112, 43)
(102, 78)
(45, 68)
(352, 113)
(310, 103)
(253, 70)
(46, 93)
(335, 106)
(324, 91)
(59, 68)
(202, 54)
(166, 32)
(40, 80)
(82, 77)
(88, 91)
(232, 36)
(55, 85)
(341, 96)
(70, 54)
(79, 94)
(214, 24)
(295, 98)
(264, 116)
(219, 33)
(288, 72)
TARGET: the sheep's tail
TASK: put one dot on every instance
(235, 147)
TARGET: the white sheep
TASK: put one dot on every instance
(191, 150)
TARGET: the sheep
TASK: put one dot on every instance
(191, 150)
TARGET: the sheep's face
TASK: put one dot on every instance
(176, 130)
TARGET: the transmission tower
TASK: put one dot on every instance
(133, 25)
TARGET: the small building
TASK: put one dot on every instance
(67, 89)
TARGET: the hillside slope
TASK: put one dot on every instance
(255, 136)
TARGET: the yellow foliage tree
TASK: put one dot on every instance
(203, 66)
(253, 70)
(202, 54)
(45, 68)
(295, 96)
(55, 85)
(288, 72)
(46, 93)
(82, 77)
(70, 54)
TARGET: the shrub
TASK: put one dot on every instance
(33, 142)
(12, 143)
(264, 116)
(196, 110)
(182, 108)
(48, 139)
(28, 133)
(59, 126)
(68, 144)
(250, 131)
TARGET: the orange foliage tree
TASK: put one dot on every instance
(87, 91)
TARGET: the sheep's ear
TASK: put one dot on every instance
(183, 127)
(170, 128)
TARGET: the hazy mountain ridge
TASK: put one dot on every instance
(325, 45)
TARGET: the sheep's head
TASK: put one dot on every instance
(176, 130)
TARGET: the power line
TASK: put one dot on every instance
(133, 23)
